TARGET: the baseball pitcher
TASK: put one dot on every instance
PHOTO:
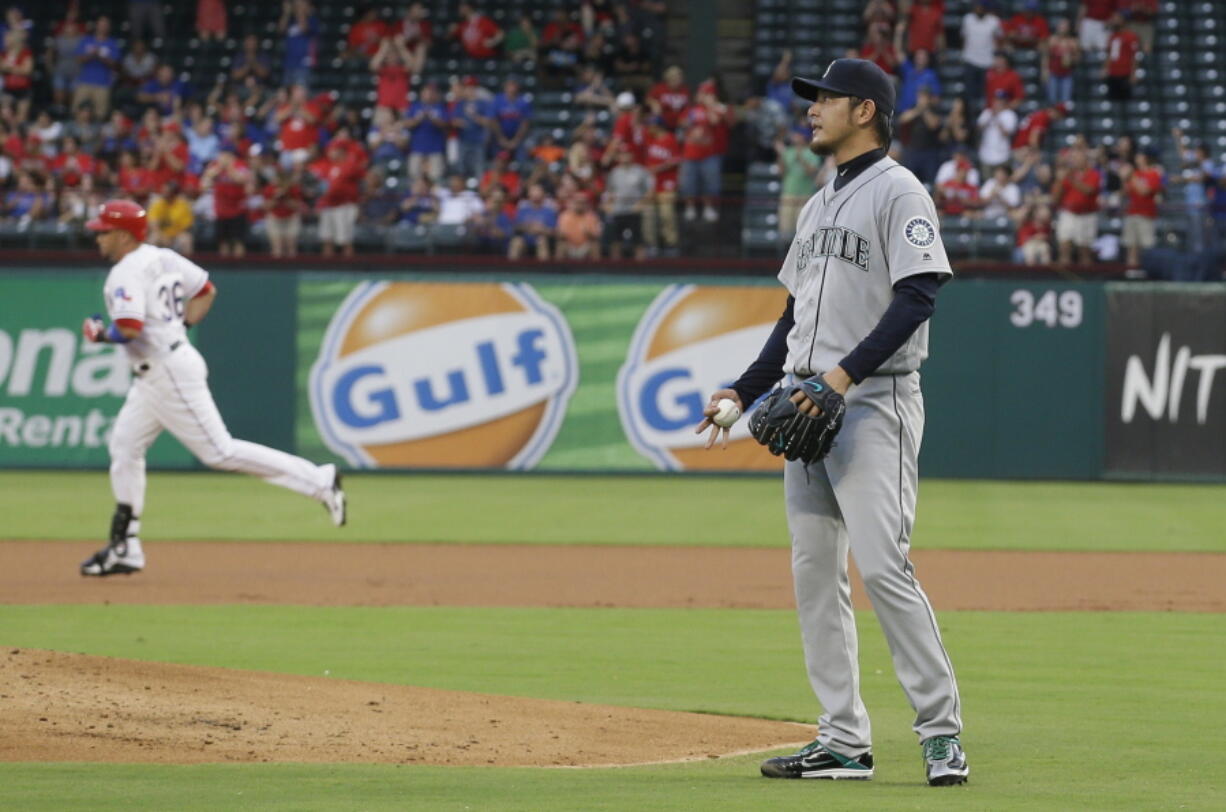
(862, 276)
(152, 295)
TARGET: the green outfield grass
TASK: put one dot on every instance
(1063, 711)
(733, 511)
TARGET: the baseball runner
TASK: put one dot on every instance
(862, 276)
(152, 295)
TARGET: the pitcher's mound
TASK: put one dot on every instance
(73, 707)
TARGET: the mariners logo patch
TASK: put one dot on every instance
(920, 232)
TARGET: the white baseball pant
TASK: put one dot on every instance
(173, 394)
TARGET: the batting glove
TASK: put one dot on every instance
(94, 329)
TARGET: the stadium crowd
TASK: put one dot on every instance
(986, 152)
(93, 117)
(86, 115)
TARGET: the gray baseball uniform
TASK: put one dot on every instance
(851, 247)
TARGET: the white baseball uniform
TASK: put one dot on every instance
(170, 386)
(852, 246)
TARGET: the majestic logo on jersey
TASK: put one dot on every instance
(833, 241)
(691, 341)
(440, 375)
(920, 232)
(120, 293)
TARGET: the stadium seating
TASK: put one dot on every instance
(1180, 85)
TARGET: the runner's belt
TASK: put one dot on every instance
(145, 366)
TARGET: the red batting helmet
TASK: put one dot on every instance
(121, 215)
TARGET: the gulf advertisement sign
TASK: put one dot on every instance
(443, 375)
(692, 340)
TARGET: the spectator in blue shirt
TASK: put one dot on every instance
(419, 206)
(916, 72)
(300, 28)
(493, 227)
(26, 202)
(251, 62)
(163, 91)
(97, 61)
(779, 85)
(471, 117)
(380, 205)
(203, 145)
(427, 121)
(512, 115)
(536, 222)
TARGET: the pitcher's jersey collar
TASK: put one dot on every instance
(848, 170)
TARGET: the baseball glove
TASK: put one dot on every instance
(779, 424)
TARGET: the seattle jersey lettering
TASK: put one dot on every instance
(833, 241)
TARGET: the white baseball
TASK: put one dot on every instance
(727, 414)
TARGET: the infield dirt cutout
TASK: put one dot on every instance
(72, 707)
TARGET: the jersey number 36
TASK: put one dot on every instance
(171, 297)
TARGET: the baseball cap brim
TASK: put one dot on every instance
(808, 88)
(99, 225)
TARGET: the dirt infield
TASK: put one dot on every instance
(66, 707)
(600, 576)
(70, 707)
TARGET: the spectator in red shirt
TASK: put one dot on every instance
(479, 36)
(1034, 235)
(211, 20)
(958, 197)
(923, 27)
(1076, 193)
(1142, 186)
(629, 130)
(391, 64)
(1141, 14)
(662, 157)
(1060, 55)
(418, 34)
(283, 208)
(231, 182)
(724, 118)
(169, 157)
(298, 118)
(559, 27)
(341, 175)
(669, 98)
(880, 13)
(1120, 69)
(701, 164)
(365, 35)
(1034, 127)
(1092, 17)
(1002, 76)
(878, 48)
(501, 174)
(135, 181)
(72, 166)
(17, 66)
(1027, 29)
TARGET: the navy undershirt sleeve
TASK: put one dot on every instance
(765, 372)
(913, 303)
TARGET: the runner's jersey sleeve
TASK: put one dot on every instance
(153, 285)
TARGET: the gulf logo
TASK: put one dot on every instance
(442, 375)
(691, 341)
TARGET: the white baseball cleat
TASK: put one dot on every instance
(334, 501)
(117, 558)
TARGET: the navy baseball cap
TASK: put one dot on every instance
(850, 77)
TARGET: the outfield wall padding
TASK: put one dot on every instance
(601, 373)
